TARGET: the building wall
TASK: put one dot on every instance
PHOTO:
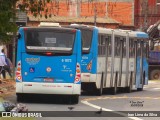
(120, 10)
(152, 13)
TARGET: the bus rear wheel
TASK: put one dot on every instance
(74, 99)
(20, 98)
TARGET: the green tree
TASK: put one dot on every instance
(6, 26)
(8, 15)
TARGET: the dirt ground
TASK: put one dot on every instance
(7, 87)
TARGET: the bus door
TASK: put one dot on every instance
(107, 75)
(132, 62)
(121, 61)
(109, 59)
(145, 61)
(117, 60)
(123, 80)
(139, 64)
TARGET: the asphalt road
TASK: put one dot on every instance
(146, 100)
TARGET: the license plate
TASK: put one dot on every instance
(48, 79)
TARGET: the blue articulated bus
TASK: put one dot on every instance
(111, 59)
(48, 62)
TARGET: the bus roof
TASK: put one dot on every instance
(80, 26)
(138, 34)
(120, 32)
(49, 24)
(105, 30)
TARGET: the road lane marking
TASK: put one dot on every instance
(156, 88)
(123, 97)
(104, 109)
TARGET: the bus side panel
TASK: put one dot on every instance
(138, 72)
(131, 70)
(145, 69)
(100, 68)
(78, 49)
(94, 49)
(108, 78)
(89, 75)
(123, 78)
(19, 87)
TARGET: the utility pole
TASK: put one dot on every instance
(14, 41)
(145, 11)
(95, 13)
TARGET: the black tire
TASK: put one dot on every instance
(114, 89)
(74, 99)
(129, 88)
(20, 98)
(140, 89)
(100, 90)
(155, 74)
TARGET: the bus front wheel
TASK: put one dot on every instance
(74, 99)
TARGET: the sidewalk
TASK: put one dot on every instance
(7, 87)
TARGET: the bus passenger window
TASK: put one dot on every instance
(144, 49)
(101, 45)
(109, 46)
(124, 47)
(117, 46)
(131, 48)
(139, 48)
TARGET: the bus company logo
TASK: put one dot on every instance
(32, 60)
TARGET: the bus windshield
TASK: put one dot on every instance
(42, 40)
(86, 39)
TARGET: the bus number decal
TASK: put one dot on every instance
(67, 60)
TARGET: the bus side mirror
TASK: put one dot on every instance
(18, 36)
